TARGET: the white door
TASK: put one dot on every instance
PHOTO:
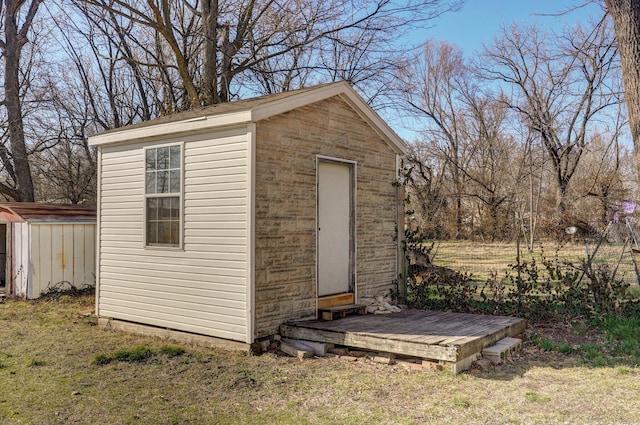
(334, 228)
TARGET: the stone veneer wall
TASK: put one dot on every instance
(285, 262)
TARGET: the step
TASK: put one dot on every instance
(502, 350)
(331, 313)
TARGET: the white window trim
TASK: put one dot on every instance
(180, 194)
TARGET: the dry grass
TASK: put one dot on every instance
(48, 375)
(482, 259)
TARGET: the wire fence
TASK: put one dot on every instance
(615, 247)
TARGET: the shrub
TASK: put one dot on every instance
(539, 291)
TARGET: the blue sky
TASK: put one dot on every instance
(480, 20)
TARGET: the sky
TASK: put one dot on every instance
(479, 21)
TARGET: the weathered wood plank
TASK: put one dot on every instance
(354, 339)
(478, 344)
(335, 300)
(443, 336)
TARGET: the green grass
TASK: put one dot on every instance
(461, 402)
(623, 336)
(536, 397)
(172, 350)
(154, 381)
(140, 353)
(621, 343)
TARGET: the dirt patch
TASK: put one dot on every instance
(574, 333)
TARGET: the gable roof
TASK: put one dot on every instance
(32, 212)
(248, 111)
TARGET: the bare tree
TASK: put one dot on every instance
(466, 130)
(492, 170)
(426, 192)
(18, 17)
(210, 44)
(557, 86)
(601, 177)
(429, 89)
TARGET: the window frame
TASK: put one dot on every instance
(179, 194)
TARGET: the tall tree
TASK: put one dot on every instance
(18, 17)
(430, 89)
(558, 88)
(210, 44)
(626, 22)
(464, 128)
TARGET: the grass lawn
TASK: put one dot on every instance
(57, 367)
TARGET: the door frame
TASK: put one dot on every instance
(353, 287)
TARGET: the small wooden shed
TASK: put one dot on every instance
(45, 246)
(229, 220)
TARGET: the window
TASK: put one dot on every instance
(163, 189)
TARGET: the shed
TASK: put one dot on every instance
(228, 220)
(45, 246)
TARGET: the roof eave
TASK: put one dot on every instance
(377, 123)
(191, 125)
(254, 114)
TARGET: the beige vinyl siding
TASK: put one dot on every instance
(201, 288)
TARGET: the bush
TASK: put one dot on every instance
(538, 291)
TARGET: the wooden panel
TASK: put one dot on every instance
(335, 300)
(368, 342)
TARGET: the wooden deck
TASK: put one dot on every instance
(454, 340)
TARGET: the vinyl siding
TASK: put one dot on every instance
(201, 288)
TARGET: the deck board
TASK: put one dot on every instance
(442, 336)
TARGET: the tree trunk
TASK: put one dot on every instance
(210, 72)
(15, 39)
(626, 21)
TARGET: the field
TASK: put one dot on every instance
(482, 259)
(57, 367)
